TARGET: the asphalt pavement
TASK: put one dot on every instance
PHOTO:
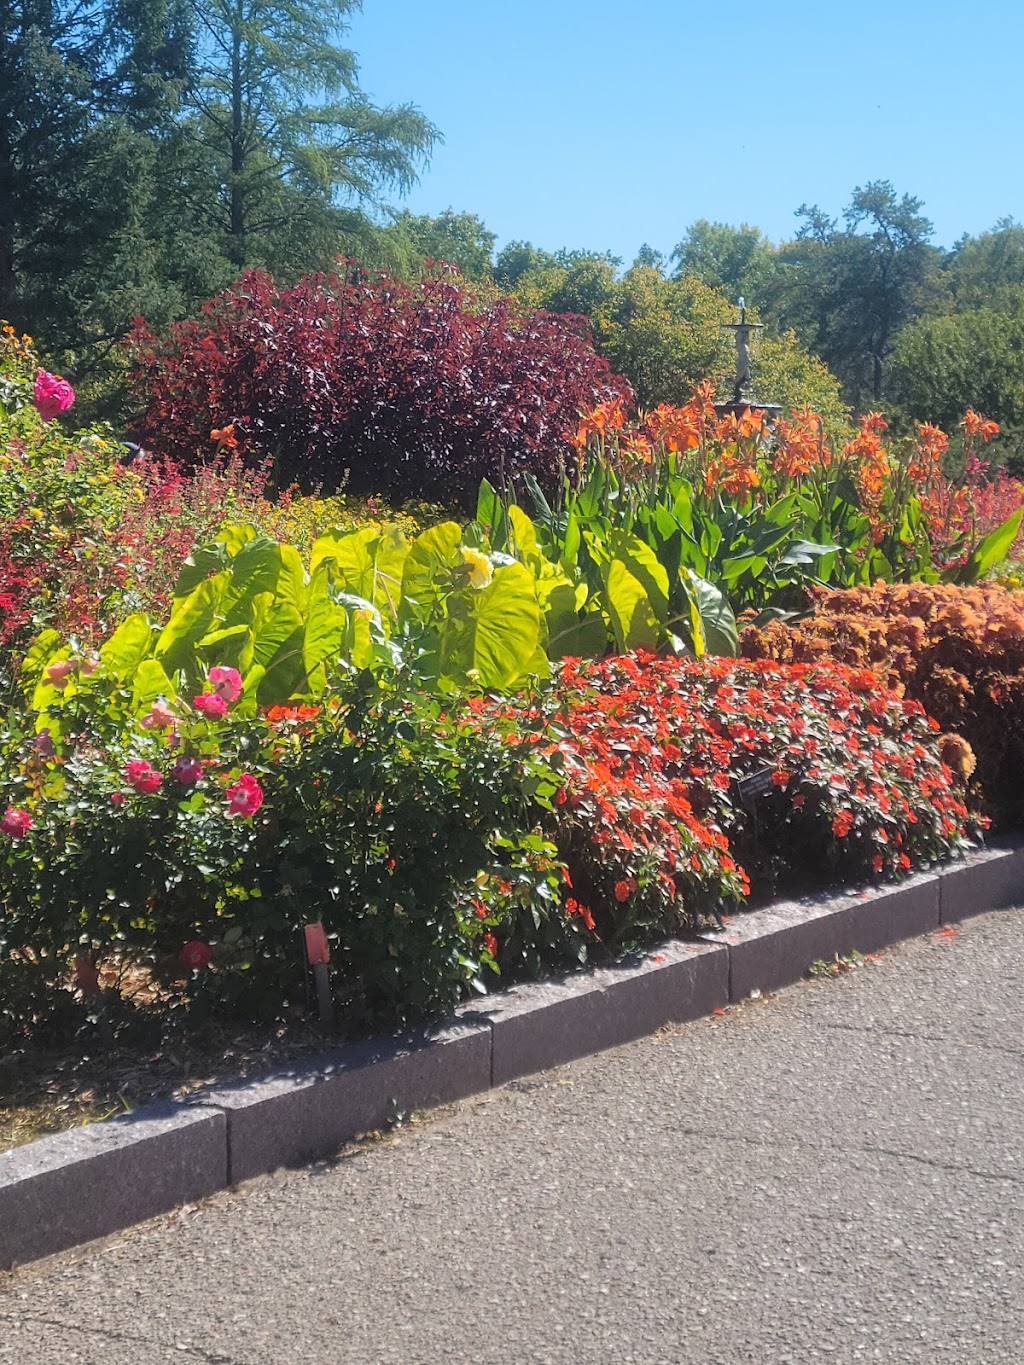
(833, 1173)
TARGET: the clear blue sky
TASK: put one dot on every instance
(586, 123)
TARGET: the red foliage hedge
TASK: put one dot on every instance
(411, 390)
(957, 651)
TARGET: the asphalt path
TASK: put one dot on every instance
(833, 1173)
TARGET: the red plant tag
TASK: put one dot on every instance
(318, 950)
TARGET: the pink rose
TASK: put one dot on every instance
(187, 771)
(211, 706)
(245, 797)
(57, 674)
(195, 955)
(52, 395)
(142, 776)
(158, 717)
(227, 683)
(16, 823)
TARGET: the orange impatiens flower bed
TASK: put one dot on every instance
(655, 820)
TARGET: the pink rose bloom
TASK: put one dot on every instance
(211, 706)
(89, 664)
(195, 955)
(142, 776)
(16, 823)
(227, 683)
(117, 798)
(187, 771)
(158, 717)
(52, 395)
(245, 797)
(58, 673)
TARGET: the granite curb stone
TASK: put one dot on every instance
(544, 1024)
(992, 879)
(297, 1114)
(774, 947)
(90, 1181)
(73, 1187)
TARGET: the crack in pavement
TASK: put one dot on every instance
(866, 1149)
(128, 1338)
(1016, 1053)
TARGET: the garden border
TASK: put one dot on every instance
(72, 1187)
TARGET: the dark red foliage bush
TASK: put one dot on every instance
(412, 390)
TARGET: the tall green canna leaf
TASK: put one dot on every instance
(989, 552)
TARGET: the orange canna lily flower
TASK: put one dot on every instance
(225, 436)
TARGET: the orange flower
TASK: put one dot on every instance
(600, 420)
(225, 436)
(976, 425)
(797, 446)
(638, 447)
(842, 824)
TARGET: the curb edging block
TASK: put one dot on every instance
(99, 1178)
(774, 947)
(990, 879)
(296, 1115)
(544, 1024)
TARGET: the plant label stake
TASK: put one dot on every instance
(748, 789)
(318, 955)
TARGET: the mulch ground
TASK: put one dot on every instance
(47, 1090)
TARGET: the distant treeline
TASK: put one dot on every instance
(150, 150)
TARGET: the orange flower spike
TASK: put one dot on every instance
(639, 447)
(932, 439)
(976, 425)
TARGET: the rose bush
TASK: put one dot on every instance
(384, 815)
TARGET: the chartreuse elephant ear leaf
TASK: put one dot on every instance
(193, 617)
(632, 617)
(430, 555)
(496, 642)
(130, 643)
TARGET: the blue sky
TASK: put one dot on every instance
(600, 125)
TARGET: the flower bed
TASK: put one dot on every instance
(375, 736)
(441, 842)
